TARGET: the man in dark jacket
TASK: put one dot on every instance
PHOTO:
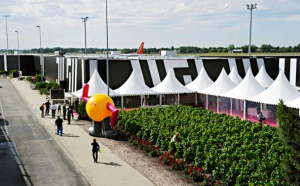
(59, 127)
(47, 104)
(64, 111)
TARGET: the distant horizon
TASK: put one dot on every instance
(160, 24)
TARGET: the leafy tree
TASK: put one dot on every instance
(289, 132)
(231, 47)
(266, 48)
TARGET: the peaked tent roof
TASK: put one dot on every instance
(263, 78)
(280, 89)
(134, 86)
(247, 88)
(201, 82)
(234, 76)
(221, 85)
(295, 103)
(170, 85)
(96, 86)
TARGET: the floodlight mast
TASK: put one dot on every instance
(6, 16)
(18, 50)
(84, 20)
(41, 58)
(250, 7)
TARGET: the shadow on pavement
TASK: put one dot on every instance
(111, 163)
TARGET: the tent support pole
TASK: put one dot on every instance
(160, 99)
(178, 100)
(218, 105)
(230, 106)
(206, 101)
(196, 98)
(141, 100)
(122, 102)
(244, 109)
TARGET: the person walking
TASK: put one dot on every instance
(95, 150)
(53, 109)
(42, 107)
(64, 112)
(59, 126)
(58, 109)
(261, 117)
(47, 107)
(70, 109)
(69, 116)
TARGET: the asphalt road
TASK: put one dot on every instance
(28, 154)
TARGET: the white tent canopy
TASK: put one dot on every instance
(221, 85)
(295, 103)
(263, 78)
(170, 85)
(96, 86)
(234, 76)
(201, 82)
(280, 89)
(134, 86)
(247, 88)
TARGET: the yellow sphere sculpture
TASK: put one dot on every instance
(96, 107)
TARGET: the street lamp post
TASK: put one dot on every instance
(107, 63)
(41, 61)
(6, 16)
(84, 20)
(18, 50)
(18, 40)
(250, 7)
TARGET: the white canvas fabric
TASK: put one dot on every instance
(170, 85)
(295, 103)
(134, 86)
(263, 78)
(281, 88)
(96, 86)
(234, 76)
(247, 88)
(221, 85)
(201, 82)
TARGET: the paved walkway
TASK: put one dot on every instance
(109, 171)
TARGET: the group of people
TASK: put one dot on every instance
(67, 112)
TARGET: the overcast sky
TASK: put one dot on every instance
(159, 23)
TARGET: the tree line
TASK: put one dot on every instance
(183, 49)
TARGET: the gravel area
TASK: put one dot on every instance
(150, 167)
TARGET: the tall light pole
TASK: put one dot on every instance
(41, 62)
(18, 40)
(107, 63)
(18, 50)
(6, 16)
(84, 20)
(250, 7)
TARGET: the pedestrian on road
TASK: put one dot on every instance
(95, 150)
(58, 109)
(59, 126)
(53, 109)
(47, 107)
(71, 108)
(42, 107)
(64, 112)
(69, 116)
